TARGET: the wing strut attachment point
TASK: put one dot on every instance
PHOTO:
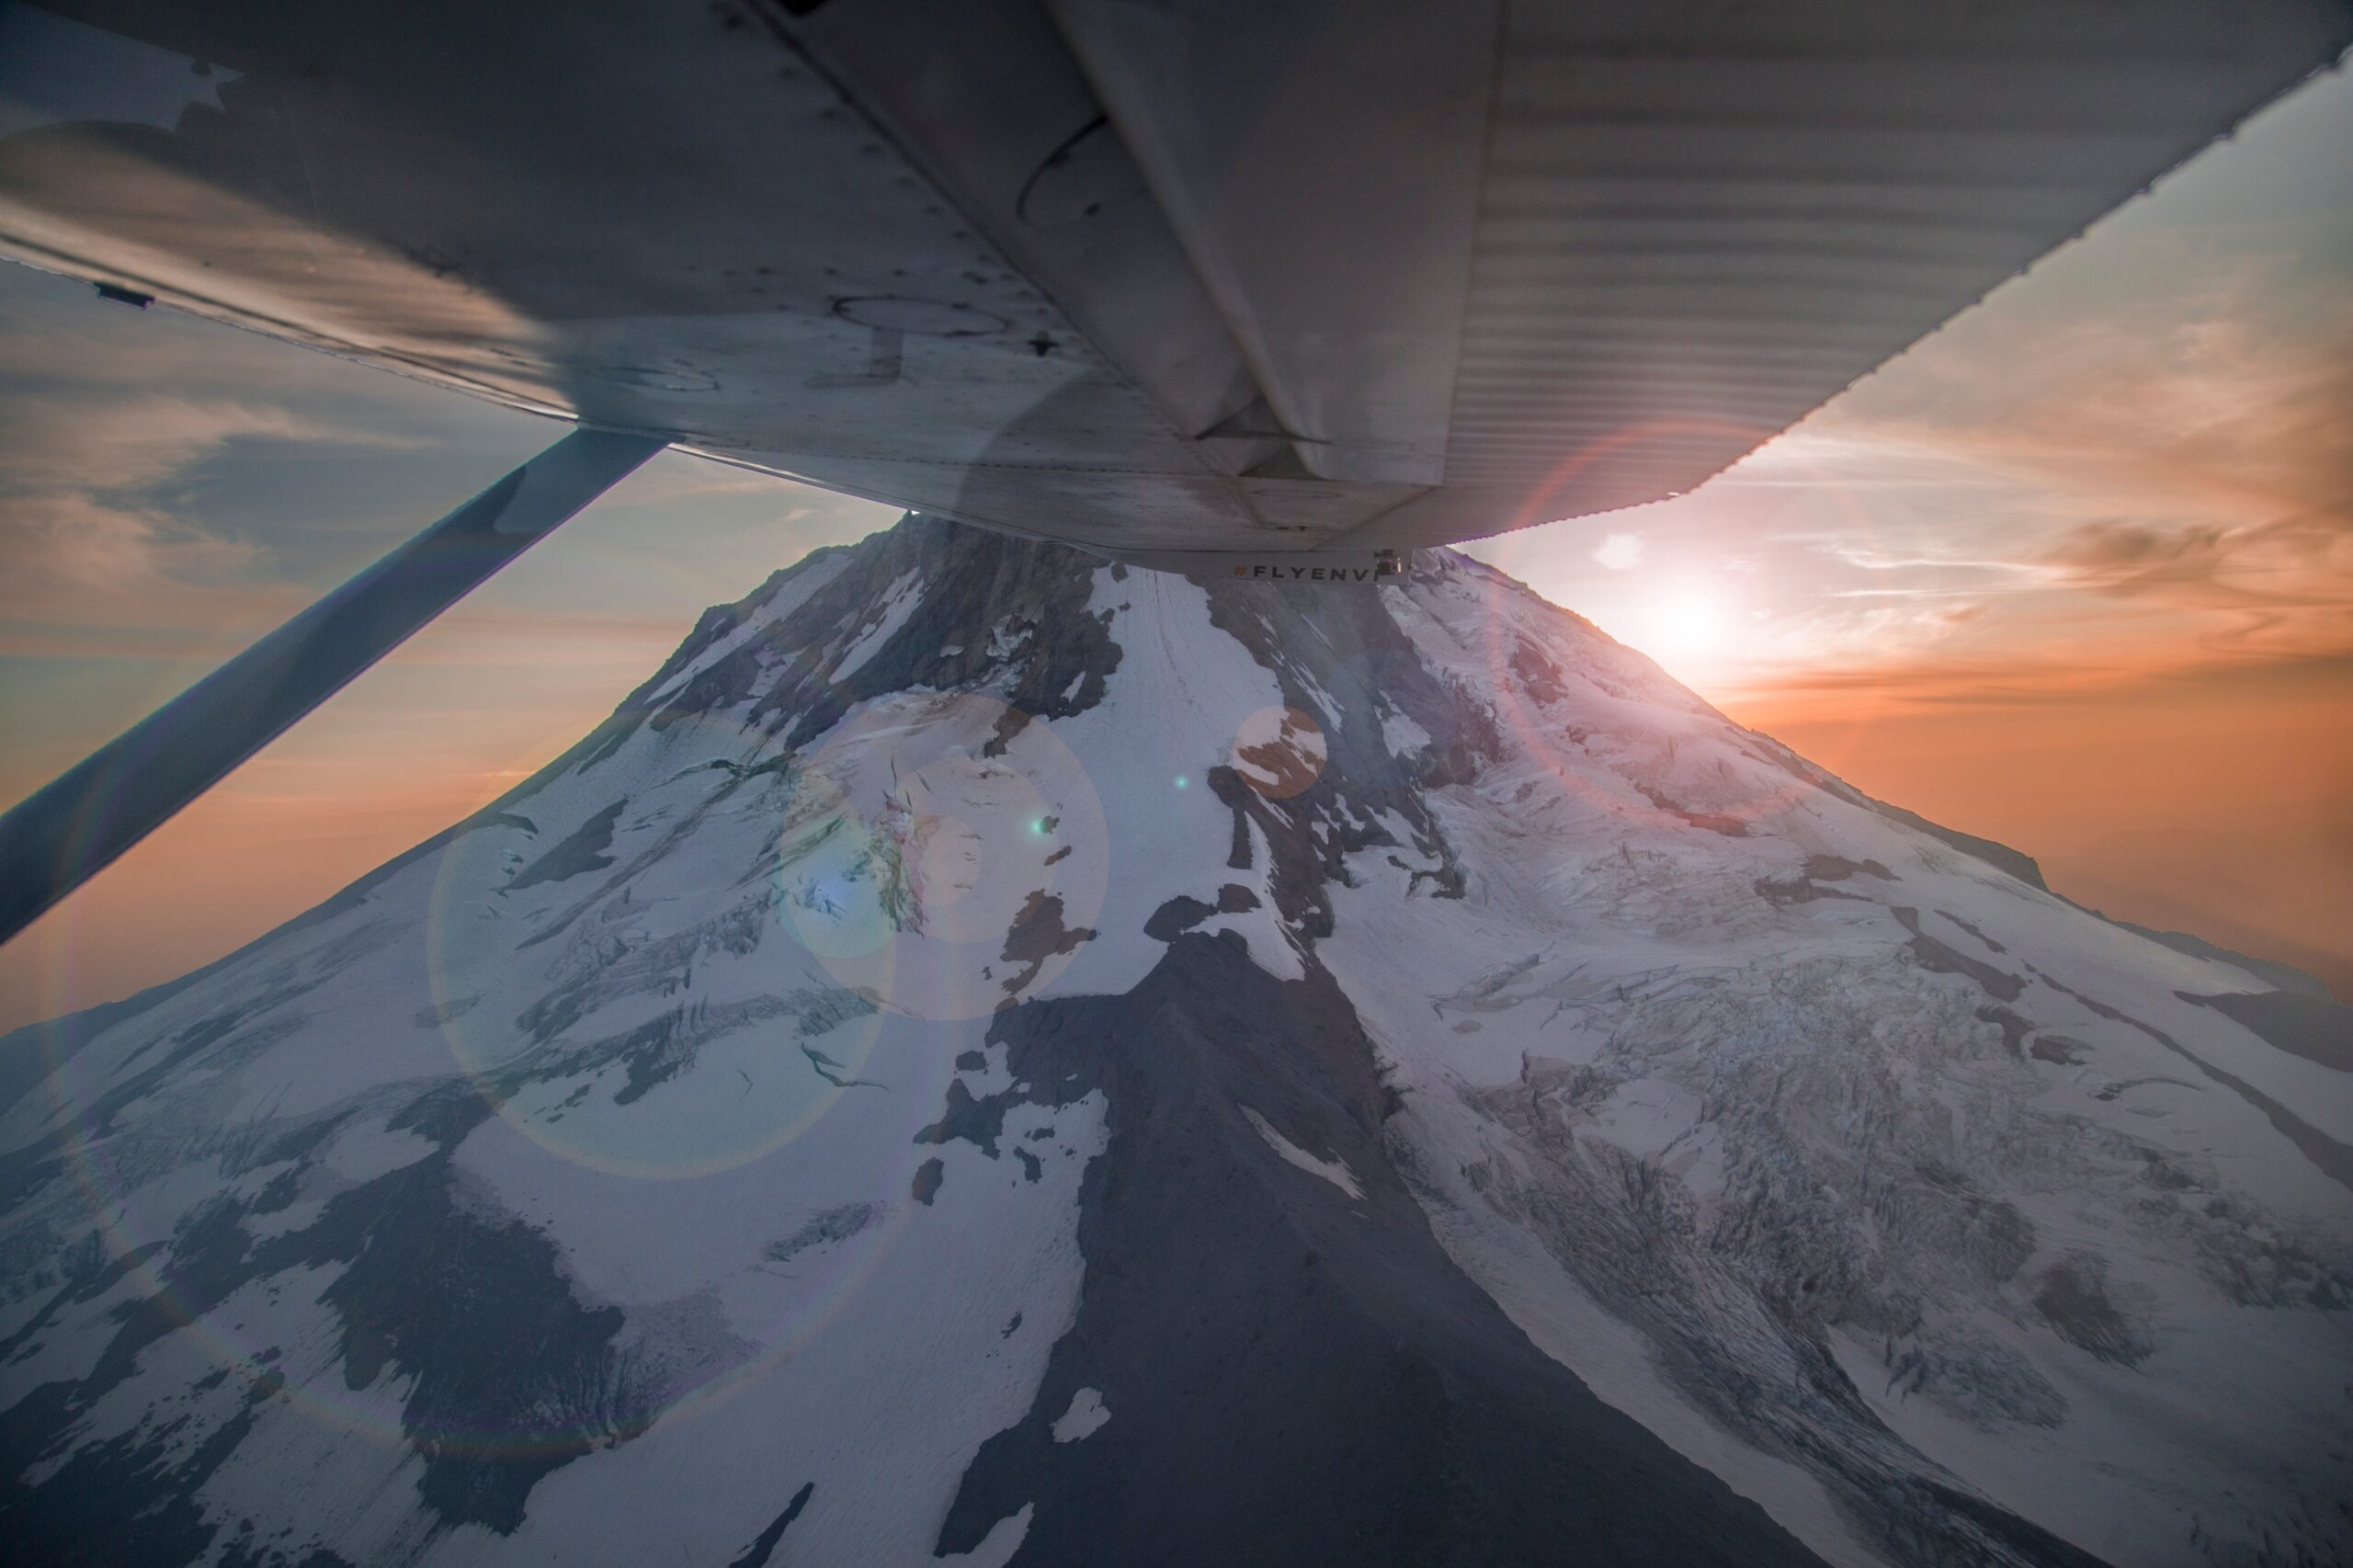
(55, 840)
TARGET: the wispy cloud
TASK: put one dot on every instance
(2106, 479)
(105, 435)
(112, 445)
(2301, 561)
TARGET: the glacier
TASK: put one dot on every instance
(989, 1056)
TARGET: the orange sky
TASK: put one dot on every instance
(2218, 805)
(2076, 573)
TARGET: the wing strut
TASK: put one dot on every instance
(54, 841)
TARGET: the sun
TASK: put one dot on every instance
(1685, 630)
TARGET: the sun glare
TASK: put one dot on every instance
(1685, 631)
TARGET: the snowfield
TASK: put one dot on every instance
(991, 1057)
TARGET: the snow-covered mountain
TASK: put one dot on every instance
(992, 1057)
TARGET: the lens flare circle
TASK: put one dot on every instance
(624, 996)
(943, 854)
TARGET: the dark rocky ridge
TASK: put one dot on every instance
(976, 582)
(2281, 976)
(2318, 1029)
(1294, 1377)
(477, 1314)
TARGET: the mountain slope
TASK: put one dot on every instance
(993, 1057)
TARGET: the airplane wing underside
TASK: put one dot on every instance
(1236, 275)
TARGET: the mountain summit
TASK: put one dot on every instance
(993, 1057)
